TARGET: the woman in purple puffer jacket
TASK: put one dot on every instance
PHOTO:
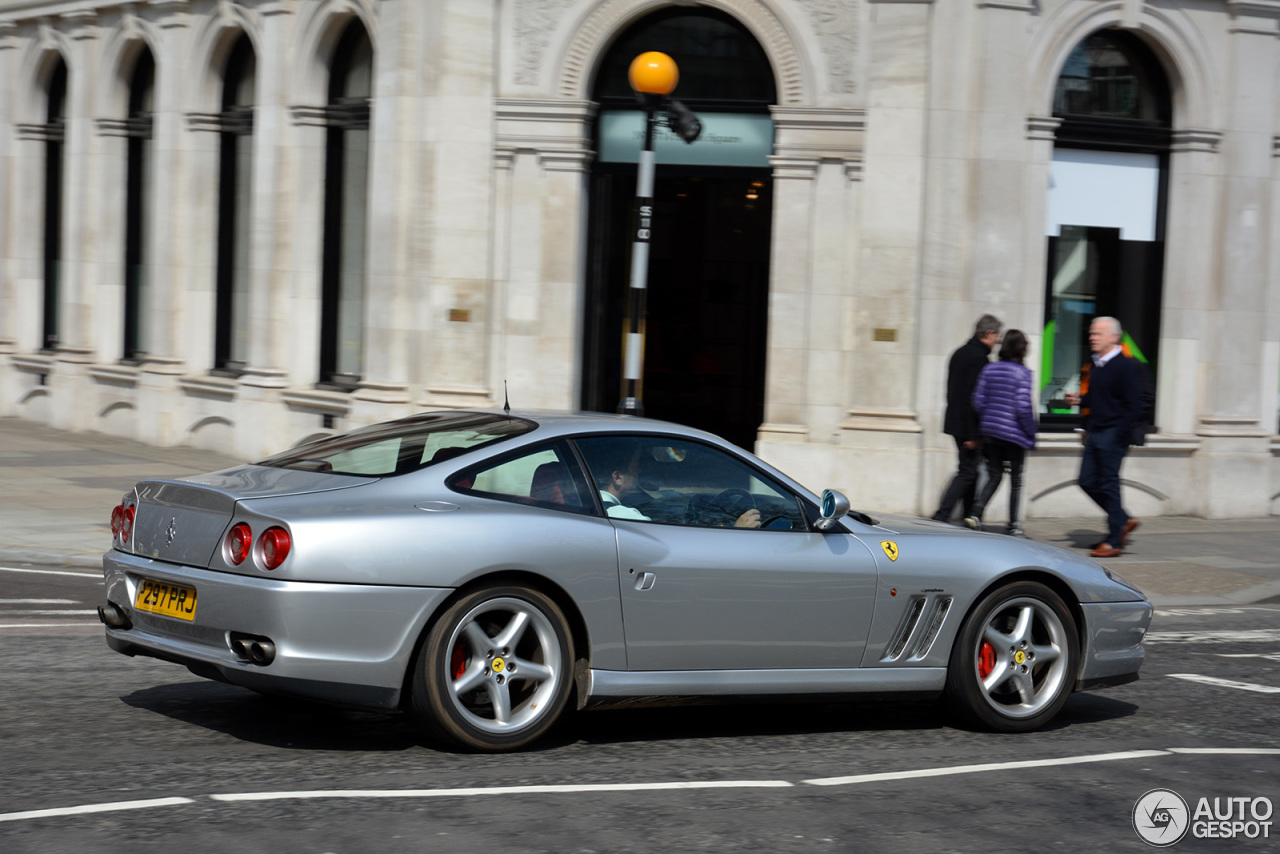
(1007, 421)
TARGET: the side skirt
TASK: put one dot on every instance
(606, 685)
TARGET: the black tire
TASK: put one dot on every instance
(481, 691)
(1014, 662)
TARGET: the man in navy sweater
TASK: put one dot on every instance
(1115, 403)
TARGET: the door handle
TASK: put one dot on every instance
(645, 581)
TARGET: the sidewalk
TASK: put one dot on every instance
(57, 490)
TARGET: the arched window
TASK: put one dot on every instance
(1108, 182)
(55, 133)
(231, 333)
(346, 192)
(138, 182)
(719, 60)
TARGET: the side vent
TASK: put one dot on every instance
(908, 626)
(935, 625)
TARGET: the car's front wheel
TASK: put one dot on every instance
(495, 670)
(1014, 663)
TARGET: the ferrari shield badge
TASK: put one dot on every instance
(890, 549)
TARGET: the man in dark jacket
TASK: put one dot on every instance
(960, 421)
(1115, 404)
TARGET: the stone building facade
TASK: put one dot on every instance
(239, 224)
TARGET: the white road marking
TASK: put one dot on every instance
(1269, 656)
(502, 790)
(1228, 751)
(1226, 683)
(96, 575)
(37, 601)
(990, 766)
(631, 787)
(1213, 611)
(42, 625)
(92, 808)
(42, 612)
(1229, 636)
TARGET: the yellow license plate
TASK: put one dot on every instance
(171, 600)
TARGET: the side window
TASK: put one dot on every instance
(547, 476)
(664, 479)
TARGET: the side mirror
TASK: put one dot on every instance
(834, 507)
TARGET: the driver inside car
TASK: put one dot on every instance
(617, 480)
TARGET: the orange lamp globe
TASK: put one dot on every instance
(653, 73)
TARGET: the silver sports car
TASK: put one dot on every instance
(484, 571)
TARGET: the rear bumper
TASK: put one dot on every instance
(343, 643)
(1113, 633)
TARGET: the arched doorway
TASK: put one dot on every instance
(1108, 186)
(708, 284)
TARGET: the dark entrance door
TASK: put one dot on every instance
(707, 318)
(708, 281)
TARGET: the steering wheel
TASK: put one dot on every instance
(733, 502)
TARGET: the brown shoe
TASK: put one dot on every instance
(1106, 550)
(1129, 528)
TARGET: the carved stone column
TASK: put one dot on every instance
(453, 310)
(79, 237)
(542, 159)
(397, 261)
(813, 286)
(8, 285)
(1234, 458)
(272, 206)
(880, 435)
(174, 254)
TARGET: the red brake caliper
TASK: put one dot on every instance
(458, 661)
(986, 660)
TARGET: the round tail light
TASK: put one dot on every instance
(126, 524)
(275, 547)
(239, 539)
(117, 519)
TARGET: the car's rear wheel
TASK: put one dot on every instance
(495, 670)
(1014, 664)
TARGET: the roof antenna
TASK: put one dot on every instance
(506, 401)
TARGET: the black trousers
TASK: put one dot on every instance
(964, 484)
(1000, 454)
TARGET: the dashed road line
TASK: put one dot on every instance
(93, 808)
(1226, 683)
(989, 766)
(503, 790)
(79, 625)
(1228, 751)
(94, 574)
(683, 785)
(1226, 636)
(51, 612)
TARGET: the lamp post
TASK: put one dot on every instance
(653, 76)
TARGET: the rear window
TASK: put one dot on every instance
(400, 447)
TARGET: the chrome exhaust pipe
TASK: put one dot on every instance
(111, 616)
(254, 649)
(262, 652)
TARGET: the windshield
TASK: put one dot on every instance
(399, 447)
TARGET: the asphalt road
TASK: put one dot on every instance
(202, 766)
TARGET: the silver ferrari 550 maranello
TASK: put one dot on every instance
(483, 571)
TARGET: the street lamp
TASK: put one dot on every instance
(653, 76)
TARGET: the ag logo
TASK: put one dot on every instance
(1161, 817)
(890, 549)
